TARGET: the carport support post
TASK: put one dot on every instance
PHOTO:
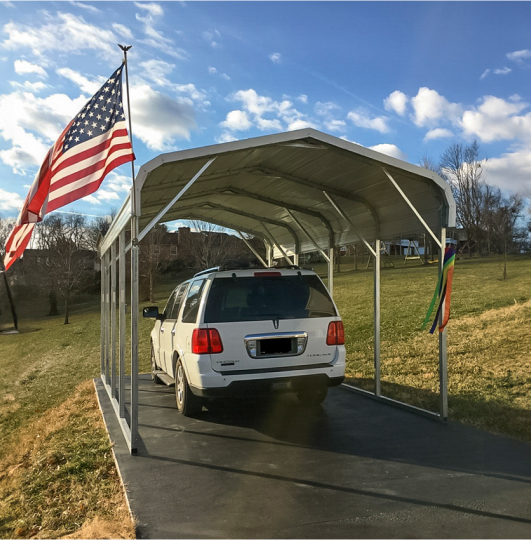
(331, 270)
(107, 314)
(121, 270)
(443, 351)
(113, 320)
(377, 389)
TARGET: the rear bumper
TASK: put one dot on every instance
(264, 386)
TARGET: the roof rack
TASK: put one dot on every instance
(208, 271)
(225, 267)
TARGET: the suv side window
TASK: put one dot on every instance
(169, 304)
(178, 301)
(193, 299)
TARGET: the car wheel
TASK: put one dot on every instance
(154, 368)
(314, 396)
(187, 403)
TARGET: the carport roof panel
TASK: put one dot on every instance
(294, 169)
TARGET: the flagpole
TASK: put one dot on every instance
(134, 276)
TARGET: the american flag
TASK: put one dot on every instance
(92, 145)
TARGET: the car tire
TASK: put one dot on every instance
(154, 377)
(314, 396)
(187, 403)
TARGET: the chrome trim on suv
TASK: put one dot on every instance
(253, 344)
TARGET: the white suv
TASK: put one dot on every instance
(232, 332)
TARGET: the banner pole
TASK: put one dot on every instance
(134, 277)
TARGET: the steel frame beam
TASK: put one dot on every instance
(256, 217)
(272, 239)
(256, 254)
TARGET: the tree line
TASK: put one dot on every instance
(63, 263)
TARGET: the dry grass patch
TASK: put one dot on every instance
(59, 478)
(489, 370)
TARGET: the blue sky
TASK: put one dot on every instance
(405, 78)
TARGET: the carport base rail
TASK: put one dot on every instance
(401, 405)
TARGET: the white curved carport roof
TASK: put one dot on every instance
(278, 180)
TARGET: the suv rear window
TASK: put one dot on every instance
(263, 298)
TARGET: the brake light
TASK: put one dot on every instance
(335, 334)
(206, 341)
(267, 274)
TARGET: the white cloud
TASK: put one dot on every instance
(86, 85)
(265, 124)
(225, 137)
(23, 67)
(156, 71)
(10, 201)
(91, 199)
(213, 37)
(107, 195)
(154, 38)
(123, 31)
(389, 150)
(519, 56)
(335, 125)
(502, 71)
(497, 119)
(303, 98)
(300, 124)
(276, 58)
(267, 114)
(430, 108)
(361, 118)
(324, 109)
(213, 71)
(31, 124)
(512, 170)
(438, 133)
(34, 88)
(396, 101)
(237, 121)
(155, 10)
(158, 119)
(484, 74)
(87, 7)
(64, 33)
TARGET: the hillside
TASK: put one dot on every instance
(56, 461)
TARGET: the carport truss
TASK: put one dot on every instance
(300, 191)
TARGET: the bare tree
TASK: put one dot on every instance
(6, 225)
(66, 260)
(501, 220)
(101, 225)
(461, 168)
(209, 245)
(428, 163)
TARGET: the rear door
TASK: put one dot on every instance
(167, 328)
(188, 318)
(270, 321)
(161, 330)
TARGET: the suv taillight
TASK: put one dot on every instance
(335, 334)
(206, 341)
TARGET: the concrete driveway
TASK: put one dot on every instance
(352, 468)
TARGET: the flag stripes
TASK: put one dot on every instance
(93, 144)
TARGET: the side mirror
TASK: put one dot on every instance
(151, 312)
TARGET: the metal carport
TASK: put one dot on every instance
(299, 191)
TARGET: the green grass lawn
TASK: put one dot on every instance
(46, 364)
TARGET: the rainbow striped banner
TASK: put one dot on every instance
(443, 292)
